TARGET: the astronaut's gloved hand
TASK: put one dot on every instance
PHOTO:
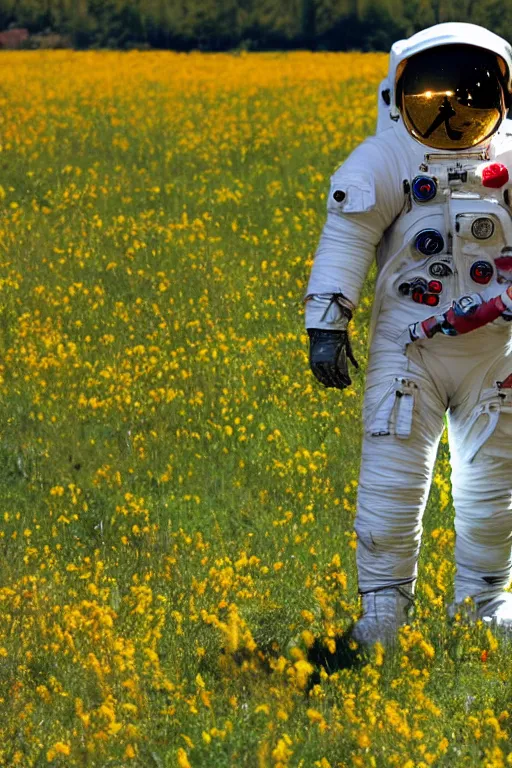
(465, 315)
(329, 352)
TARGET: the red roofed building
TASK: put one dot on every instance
(13, 38)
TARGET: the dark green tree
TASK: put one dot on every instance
(256, 24)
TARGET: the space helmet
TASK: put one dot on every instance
(451, 85)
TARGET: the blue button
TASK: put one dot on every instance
(424, 188)
(429, 242)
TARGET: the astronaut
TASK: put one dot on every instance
(430, 198)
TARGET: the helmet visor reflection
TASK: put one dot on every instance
(452, 97)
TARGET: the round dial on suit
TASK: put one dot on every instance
(429, 242)
(482, 272)
(482, 228)
(439, 269)
(424, 188)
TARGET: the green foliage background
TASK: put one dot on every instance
(251, 24)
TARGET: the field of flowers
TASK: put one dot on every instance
(177, 492)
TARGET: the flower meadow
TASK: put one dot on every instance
(177, 554)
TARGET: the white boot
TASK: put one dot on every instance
(496, 611)
(384, 612)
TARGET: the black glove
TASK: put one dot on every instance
(328, 353)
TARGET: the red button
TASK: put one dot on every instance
(504, 263)
(435, 286)
(495, 175)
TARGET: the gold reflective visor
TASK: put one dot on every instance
(452, 97)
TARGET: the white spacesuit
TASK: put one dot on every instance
(430, 197)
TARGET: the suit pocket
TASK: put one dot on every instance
(352, 193)
(393, 414)
(489, 426)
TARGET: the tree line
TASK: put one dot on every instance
(245, 24)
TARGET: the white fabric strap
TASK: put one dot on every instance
(404, 415)
(381, 422)
(322, 312)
